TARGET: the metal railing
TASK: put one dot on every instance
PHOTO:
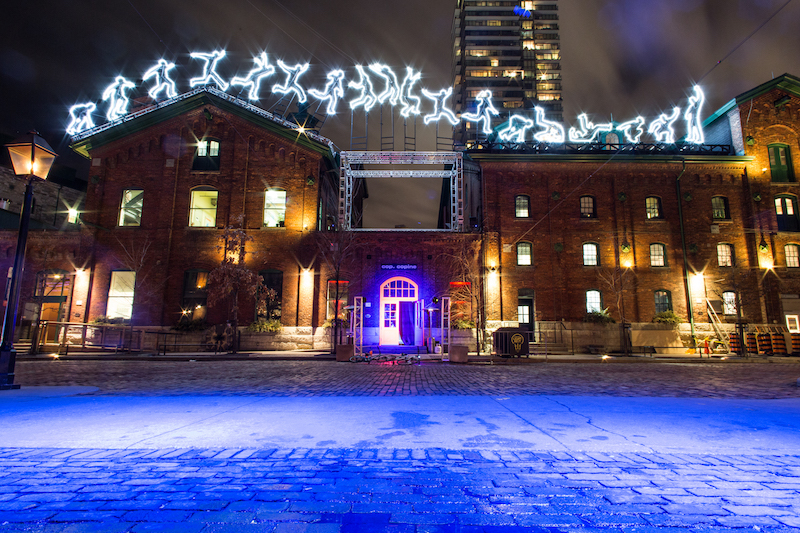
(79, 335)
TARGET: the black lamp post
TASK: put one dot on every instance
(32, 158)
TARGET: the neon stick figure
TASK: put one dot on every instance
(553, 131)
(626, 128)
(589, 131)
(515, 131)
(291, 85)
(694, 124)
(484, 112)
(118, 107)
(209, 69)
(253, 79)
(661, 128)
(80, 118)
(440, 108)
(411, 102)
(163, 82)
(334, 89)
(367, 98)
(392, 90)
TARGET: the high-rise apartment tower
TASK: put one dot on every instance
(511, 49)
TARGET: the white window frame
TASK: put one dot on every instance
(525, 259)
(121, 294)
(591, 254)
(724, 255)
(274, 208)
(201, 216)
(792, 253)
(659, 258)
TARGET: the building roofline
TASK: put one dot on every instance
(603, 158)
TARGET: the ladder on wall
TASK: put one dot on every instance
(358, 325)
(445, 328)
(716, 323)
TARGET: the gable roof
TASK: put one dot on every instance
(785, 82)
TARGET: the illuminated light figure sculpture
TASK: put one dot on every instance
(589, 131)
(367, 98)
(118, 107)
(661, 128)
(553, 131)
(253, 79)
(292, 75)
(522, 12)
(440, 108)
(694, 124)
(515, 131)
(163, 82)
(80, 116)
(209, 69)
(392, 90)
(626, 128)
(411, 102)
(334, 89)
(484, 112)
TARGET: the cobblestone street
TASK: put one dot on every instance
(591, 476)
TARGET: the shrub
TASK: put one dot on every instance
(667, 317)
(463, 323)
(272, 325)
(599, 317)
(185, 325)
(117, 321)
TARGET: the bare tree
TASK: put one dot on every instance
(616, 281)
(136, 256)
(337, 249)
(466, 288)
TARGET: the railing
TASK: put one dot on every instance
(72, 335)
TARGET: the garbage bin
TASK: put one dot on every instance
(511, 342)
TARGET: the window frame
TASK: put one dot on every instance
(207, 155)
(785, 220)
(599, 293)
(665, 305)
(128, 210)
(122, 297)
(279, 218)
(517, 208)
(726, 257)
(195, 300)
(780, 163)
(589, 211)
(658, 209)
(193, 209)
(591, 247)
(795, 255)
(729, 303)
(663, 254)
(520, 246)
(723, 210)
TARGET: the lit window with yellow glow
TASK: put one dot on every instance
(203, 208)
(274, 208)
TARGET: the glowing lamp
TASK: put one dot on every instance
(31, 156)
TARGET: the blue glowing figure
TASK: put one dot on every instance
(253, 79)
(367, 98)
(440, 108)
(694, 124)
(483, 112)
(290, 85)
(515, 131)
(333, 91)
(411, 102)
(209, 69)
(553, 132)
(118, 105)
(661, 128)
(522, 12)
(392, 90)
(80, 118)
(588, 131)
(626, 127)
(163, 82)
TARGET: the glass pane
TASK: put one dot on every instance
(789, 206)
(522, 206)
(202, 148)
(782, 152)
(274, 208)
(792, 255)
(130, 212)
(593, 304)
(523, 254)
(120, 294)
(203, 212)
(213, 148)
(778, 206)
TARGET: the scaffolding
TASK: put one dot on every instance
(357, 325)
(444, 326)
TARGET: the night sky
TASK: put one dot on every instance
(620, 58)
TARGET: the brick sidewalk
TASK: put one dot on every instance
(433, 490)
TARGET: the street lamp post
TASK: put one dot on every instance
(32, 158)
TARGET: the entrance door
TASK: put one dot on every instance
(397, 323)
(525, 314)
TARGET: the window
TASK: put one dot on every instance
(522, 206)
(130, 211)
(658, 255)
(729, 303)
(719, 208)
(792, 252)
(72, 215)
(120, 294)
(195, 294)
(271, 303)
(653, 207)
(336, 305)
(725, 254)
(524, 255)
(663, 301)
(524, 314)
(780, 163)
(786, 212)
(207, 156)
(203, 210)
(587, 207)
(591, 254)
(594, 302)
(274, 208)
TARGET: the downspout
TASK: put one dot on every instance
(687, 285)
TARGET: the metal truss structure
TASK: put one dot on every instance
(352, 169)
(496, 147)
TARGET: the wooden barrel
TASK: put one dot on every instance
(764, 344)
(752, 345)
(795, 343)
(778, 344)
(735, 342)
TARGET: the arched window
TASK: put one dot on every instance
(207, 155)
(591, 254)
(594, 301)
(729, 303)
(658, 255)
(274, 208)
(653, 209)
(522, 206)
(780, 163)
(588, 209)
(203, 208)
(130, 210)
(663, 301)
(786, 213)
(719, 208)
(792, 252)
(725, 254)
(524, 253)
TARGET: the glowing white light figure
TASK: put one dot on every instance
(80, 116)
(626, 128)
(118, 107)
(163, 82)
(334, 89)
(440, 108)
(292, 75)
(253, 79)
(411, 102)
(661, 128)
(484, 111)
(392, 90)
(589, 131)
(694, 124)
(553, 131)
(209, 69)
(367, 98)
(515, 131)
